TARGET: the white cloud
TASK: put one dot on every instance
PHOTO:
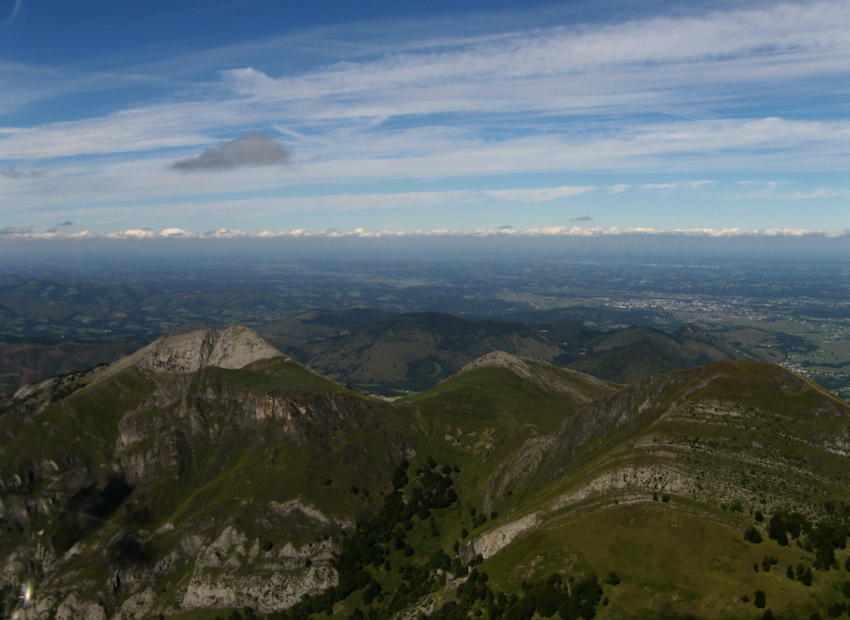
(686, 96)
(677, 185)
(549, 231)
(632, 66)
(546, 194)
(780, 190)
(801, 36)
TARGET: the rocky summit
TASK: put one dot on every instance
(208, 475)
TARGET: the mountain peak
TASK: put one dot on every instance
(577, 385)
(500, 359)
(233, 347)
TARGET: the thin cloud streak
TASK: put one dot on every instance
(558, 71)
(538, 195)
(695, 95)
(15, 10)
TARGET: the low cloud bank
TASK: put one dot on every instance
(26, 232)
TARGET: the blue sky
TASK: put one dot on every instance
(226, 117)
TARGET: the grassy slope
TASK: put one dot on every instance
(687, 556)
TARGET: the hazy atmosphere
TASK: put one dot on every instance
(223, 118)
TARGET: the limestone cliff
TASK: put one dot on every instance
(234, 347)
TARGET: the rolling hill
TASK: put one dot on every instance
(413, 352)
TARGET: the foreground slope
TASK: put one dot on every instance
(211, 473)
(176, 462)
(660, 480)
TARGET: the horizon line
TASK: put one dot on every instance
(504, 231)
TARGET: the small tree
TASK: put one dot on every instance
(760, 599)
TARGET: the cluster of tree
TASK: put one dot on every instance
(373, 588)
(803, 574)
(366, 551)
(824, 538)
(551, 597)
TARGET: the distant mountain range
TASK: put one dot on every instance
(209, 473)
(396, 354)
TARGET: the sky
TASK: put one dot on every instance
(217, 118)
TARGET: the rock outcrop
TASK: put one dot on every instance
(234, 347)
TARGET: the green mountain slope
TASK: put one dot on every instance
(208, 473)
(659, 481)
(315, 325)
(630, 354)
(413, 352)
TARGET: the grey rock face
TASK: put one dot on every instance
(234, 347)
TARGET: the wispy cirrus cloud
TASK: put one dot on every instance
(677, 185)
(605, 63)
(16, 7)
(699, 93)
(779, 190)
(546, 194)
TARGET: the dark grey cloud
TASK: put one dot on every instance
(252, 149)
(11, 172)
(506, 227)
(11, 230)
(66, 223)
(583, 218)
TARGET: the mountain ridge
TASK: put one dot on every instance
(195, 487)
